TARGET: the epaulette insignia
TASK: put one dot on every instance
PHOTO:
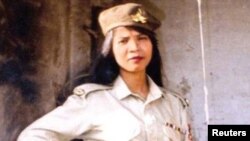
(187, 102)
(88, 88)
(78, 91)
(184, 101)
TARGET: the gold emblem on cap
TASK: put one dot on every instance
(138, 17)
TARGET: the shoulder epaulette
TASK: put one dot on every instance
(184, 101)
(88, 88)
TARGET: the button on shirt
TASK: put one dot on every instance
(101, 113)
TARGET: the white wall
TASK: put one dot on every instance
(226, 26)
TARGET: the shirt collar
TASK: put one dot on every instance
(120, 88)
(122, 91)
(155, 91)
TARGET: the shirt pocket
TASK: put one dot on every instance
(117, 126)
(173, 132)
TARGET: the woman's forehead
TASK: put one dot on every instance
(125, 31)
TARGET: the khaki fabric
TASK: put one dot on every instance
(113, 113)
(129, 14)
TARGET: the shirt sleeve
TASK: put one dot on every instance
(61, 124)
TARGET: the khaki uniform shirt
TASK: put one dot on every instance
(113, 113)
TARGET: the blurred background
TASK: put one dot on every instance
(46, 48)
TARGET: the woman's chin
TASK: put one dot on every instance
(135, 70)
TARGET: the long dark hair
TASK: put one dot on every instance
(104, 69)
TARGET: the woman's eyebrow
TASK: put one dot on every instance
(122, 37)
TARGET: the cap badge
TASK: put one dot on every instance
(138, 17)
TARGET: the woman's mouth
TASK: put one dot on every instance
(136, 59)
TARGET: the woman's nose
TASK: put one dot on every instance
(134, 46)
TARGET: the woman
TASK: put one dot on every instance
(125, 101)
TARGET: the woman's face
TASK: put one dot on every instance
(132, 50)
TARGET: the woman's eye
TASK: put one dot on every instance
(123, 41)
(143, 37)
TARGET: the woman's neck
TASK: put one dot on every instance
(136, 82)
